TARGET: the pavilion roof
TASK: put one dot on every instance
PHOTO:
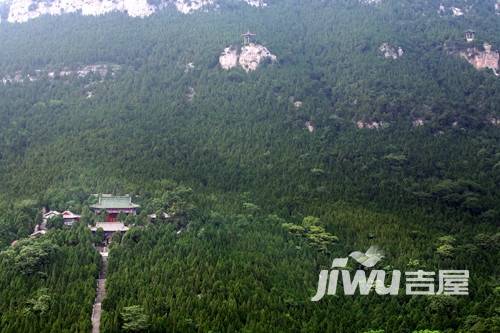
(51, 214)
(110, 226)
(69, 215)
(114, 201)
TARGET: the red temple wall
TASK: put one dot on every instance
(112, 217)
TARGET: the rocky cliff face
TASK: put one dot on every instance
(249, 58)
(99, 70)
(188, 6)
(229, 58)
(24, 10)
(483, 59)
(252, 55)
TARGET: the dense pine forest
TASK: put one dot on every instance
(261, 203)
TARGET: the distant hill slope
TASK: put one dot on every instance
(170, 96)
(82, 95)
(376, 119)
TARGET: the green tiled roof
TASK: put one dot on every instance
(114, 201)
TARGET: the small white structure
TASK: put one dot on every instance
(298, 104)
(153, 217)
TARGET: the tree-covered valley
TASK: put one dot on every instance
(265, 192)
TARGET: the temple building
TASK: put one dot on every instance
(70, 218)
(114, 205)
(47, 216)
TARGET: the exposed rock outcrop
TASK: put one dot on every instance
(189, 6)
(24, 10)
(494, 121)
(371, 124)
(256, 3)
(190, 94)
(418, 122)
(483, 59)
(189, 67)
(250, 57)
(310, 126)
(101, 70)
(391, 52)
(229, 58)
(453, 10)
(457, 11)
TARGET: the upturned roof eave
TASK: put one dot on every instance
(97, 206)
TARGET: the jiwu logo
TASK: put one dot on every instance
(328, 280)
(451, 282)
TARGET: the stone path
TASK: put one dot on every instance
(101, 291)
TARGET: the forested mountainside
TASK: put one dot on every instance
(377, 123)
